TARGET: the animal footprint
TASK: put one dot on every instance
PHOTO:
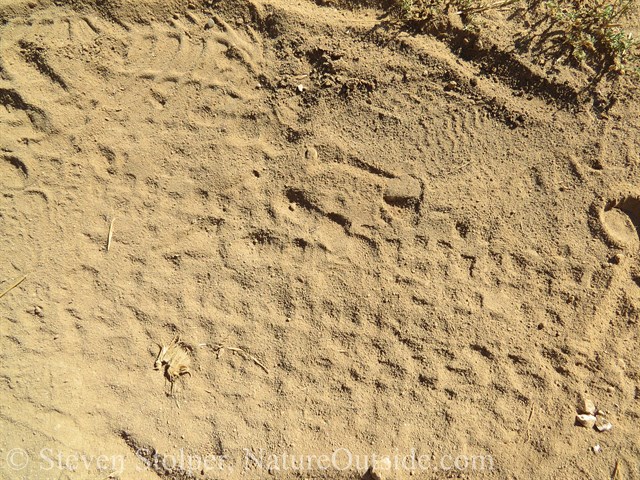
(620, 220)
(13, 172)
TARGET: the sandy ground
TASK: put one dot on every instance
(420, 250)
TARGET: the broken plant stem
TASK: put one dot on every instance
(13, 285)
(484, 8)
(110, 235)
(220, 348)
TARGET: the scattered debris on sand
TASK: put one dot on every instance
(174, 360)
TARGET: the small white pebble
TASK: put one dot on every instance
(603, 425)
(586, 421)
(586, 406)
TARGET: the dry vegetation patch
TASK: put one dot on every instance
(586, 34)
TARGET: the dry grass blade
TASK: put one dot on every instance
(490, 6)
(616, 471)
(220, 348)
(529, 422)
(13, 285)
(110, 235)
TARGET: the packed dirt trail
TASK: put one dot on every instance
(369, 244)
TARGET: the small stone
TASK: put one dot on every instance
(586, 406)
(616, 259)
(301, 88)
(210, 24)
(403, 191)
(311, 154)
(451, 85)
(375, 471)
(586, 421)
(611, 389)
(603, 425)
(372, 474)
(596, 449)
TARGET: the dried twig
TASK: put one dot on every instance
(110, 235)
(616, 471)
(492, 6)
(13, 285)
(529, 422)
(174, 360)
(220, 348)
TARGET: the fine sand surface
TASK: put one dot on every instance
(414, 248)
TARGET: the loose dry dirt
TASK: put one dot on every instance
(417, 244)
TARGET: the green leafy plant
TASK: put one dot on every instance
(420, 9)
(583, 32)
(591, 32)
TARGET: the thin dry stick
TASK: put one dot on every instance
(616, 471)
(110, 234)
(219, 348)
(484, 8)
(529, 422)
(13, 285)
